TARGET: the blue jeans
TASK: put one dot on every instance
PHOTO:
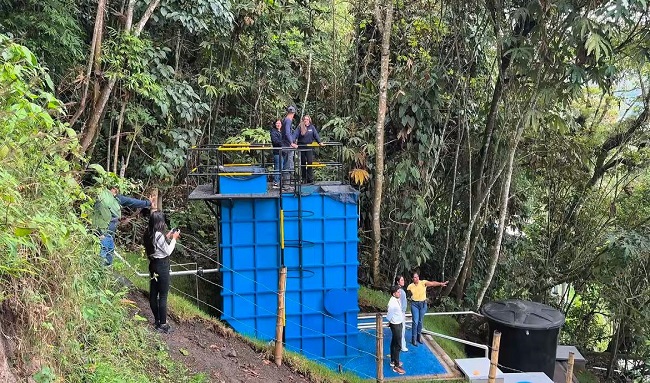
(287, 157)
(107, 248)
(418, 309)
(277, 167)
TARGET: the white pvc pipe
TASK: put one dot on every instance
(171, 273)
(192, 272)
(432, 313)
(478, 345)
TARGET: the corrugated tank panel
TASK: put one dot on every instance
(322, 287)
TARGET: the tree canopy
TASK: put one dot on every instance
(513, 156)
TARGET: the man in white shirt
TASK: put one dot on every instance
(395, 318)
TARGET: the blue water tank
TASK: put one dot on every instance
(242, 180)
(322, 288)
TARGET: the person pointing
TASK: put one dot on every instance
(418, 290)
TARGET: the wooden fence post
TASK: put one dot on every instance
(279, 324)
(569, 370)
(380, 348)
(494, 358)
(156, 201)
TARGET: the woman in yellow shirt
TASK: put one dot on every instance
(418, 290)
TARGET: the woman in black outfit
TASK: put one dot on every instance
(158, 252)
(307, 134)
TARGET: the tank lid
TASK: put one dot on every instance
(523, 314)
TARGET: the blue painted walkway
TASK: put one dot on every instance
(418, 361)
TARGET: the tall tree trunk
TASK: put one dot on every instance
(451, 203)
(386, 26)
(469, 261)
(614, 350)
(89, 135)
(96, 41)
(120, 122)
(125, 163)
(304, 103)
(92, 129)
(503, 206)
(467, 235)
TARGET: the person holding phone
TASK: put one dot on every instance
(159, 251)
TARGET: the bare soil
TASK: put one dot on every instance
(206, 348)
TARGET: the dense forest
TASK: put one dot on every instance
(500, 145)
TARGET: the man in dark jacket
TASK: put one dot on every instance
(288, 140)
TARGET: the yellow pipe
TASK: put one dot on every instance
(315, 166)
(282, 229)
(237, 174)
(243, 149)
(234, 149)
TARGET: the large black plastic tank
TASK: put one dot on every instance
(529, 334)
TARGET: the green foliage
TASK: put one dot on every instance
(585, 376)
(251, 135)
(63, 307)
(29, 179)
(128, 59)
(207, 16)
(45, 375)
(374, 299)
(462, 79)
(51, 28)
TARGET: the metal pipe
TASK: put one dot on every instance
(454, 313)
(171, 273)
(198, 271)
(430, 314)
(467, 342)
(477, 345)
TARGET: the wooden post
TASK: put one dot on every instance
(279, 324)
(494, 358)
(156, 202)
(380, 348)
(569, 370)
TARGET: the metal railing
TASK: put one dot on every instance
(197, 271)
(409, 319)
(207, 163)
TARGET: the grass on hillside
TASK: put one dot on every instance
(185, 310)
(586, 376)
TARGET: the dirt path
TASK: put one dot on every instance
(202, 348)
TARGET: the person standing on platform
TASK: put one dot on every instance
(395, 318)
(276, 141)
(399, 281)
(288, 141)
(306, 135)
(418, 290)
